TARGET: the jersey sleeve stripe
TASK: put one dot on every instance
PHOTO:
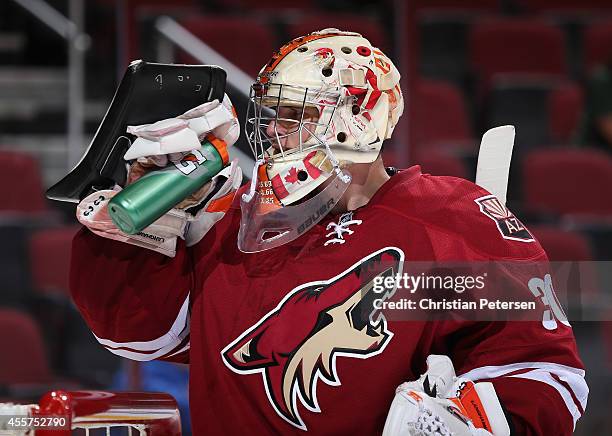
(153, 349)
(546, 377)
(566, 380)
(486, 372)
(185, 348)
(162, 352)
(570, 390)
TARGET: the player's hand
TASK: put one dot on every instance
(158, 145)
(190, 224)
(439, 403)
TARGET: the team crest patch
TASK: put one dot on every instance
(295, 346)
(508, 225)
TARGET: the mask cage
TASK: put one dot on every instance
(265, 102)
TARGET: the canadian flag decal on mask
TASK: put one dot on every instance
(299, 174)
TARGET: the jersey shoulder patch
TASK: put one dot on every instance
(509, 226)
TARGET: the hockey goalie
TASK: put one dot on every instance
(262, 288)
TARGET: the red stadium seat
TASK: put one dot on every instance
(135, 12)
(368, 27)
(153, 3)
(25, 196)
(563, 6)
(438, 164)
(234, 38)
(597, 45)
(440, 116)
(23, 356)
(454, 5)
(50, 259)
(568, 181)
(565, 109)
(513, 46)
(435, 163)
(562, 246)
(275, 4)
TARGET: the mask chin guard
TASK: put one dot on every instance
(148, 92)
(265, 225)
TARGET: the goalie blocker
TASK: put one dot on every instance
(148, 92)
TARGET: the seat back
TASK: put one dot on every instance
(440, 115)
(23, 357)
(511, 46)
(568, 181)
(234, 38)
(565, 109)
(561, 245)
(50, 259)
(21, 188)
(597, 46)
(442, 165)
(367, 27)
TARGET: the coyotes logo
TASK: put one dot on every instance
(297, 343)
(508, 225)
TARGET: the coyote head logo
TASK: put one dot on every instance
(297, 343)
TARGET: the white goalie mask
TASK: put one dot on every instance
(323, 102)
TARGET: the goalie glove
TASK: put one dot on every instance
(157, 145)
(185, 132)
(161, 236)
(440, 404)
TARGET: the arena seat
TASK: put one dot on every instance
(516, 46)
(27, 195)
(545, 112)
(597, 44)
(438, 164)
(563, 6)
(565, 109)
(454, 5)
(561, 245)
(24, 358)
(440, 116)
(141, 3)
(234, 38)
(568, 181)
(50, 259)
(369, 28)
(275, 4)
(515, 64)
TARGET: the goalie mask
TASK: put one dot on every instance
(323, 102)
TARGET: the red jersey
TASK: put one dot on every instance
(276, 341)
